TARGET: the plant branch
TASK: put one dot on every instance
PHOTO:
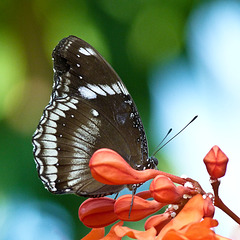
(219, 203)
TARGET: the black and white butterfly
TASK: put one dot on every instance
(90, 108)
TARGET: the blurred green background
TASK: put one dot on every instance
(133, 35)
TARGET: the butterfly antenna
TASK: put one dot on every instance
(173, 136)
(154, 153)
(116, 196)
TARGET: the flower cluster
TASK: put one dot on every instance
(189, 210)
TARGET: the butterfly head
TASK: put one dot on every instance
(152, 163)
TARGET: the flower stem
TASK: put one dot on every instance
(219, 203)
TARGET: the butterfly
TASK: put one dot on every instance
(90, 108)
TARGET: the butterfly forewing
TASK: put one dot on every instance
(90, 108)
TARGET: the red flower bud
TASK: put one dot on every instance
(108, 167)
(216, 162)
(164, 190)
(141, 208)
(97, 212)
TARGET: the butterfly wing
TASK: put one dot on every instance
(90, 108)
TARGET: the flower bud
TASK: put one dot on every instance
(141, 208)
(108, 167)
(216, 162)
(208, 207)
(164, 190)
(97, 212)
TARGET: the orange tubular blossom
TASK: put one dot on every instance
(97, 212)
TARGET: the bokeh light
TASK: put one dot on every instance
(207, 84)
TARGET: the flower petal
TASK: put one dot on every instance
(96, 233)
(141, 208)
(191, 212)
(174, 235)
(201, 230)
(158, 221)
(144, 194)
(97, 212)
(150, 234)
(112, 234)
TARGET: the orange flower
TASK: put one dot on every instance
(158, 221)
(181, 221)
(187, 225)
(165, 191)
(216, 162)
(150, 234)
(192, 212)
(108, 167)
(141, 208)
(112, 233)
(97, 212)
(96, 233)
(195, 231)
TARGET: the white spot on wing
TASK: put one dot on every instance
(107, 89)
(123, 88)
(91, 51)
(50, 161)
(96, 89)
(68, 45)
(68, 74)
(63, 107)
(84, 51)
(87, 93)
(53, 117)
(49, 152)
(94, 112)
(87, 51)
(52, 178)
(104, 89)
(59, 112)
(51, 139)
(49, 169)
(116, 88)
(50, 129)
